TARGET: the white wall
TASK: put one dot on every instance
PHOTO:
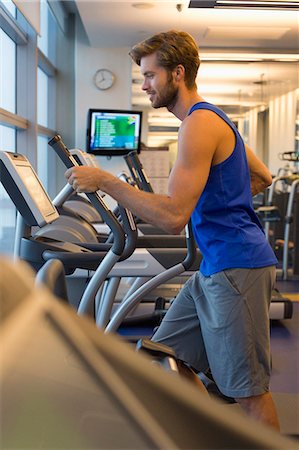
(252, 129)
(282, 116)
(87, 61)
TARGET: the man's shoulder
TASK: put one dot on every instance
(201, 118)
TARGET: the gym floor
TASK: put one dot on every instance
(285, 362)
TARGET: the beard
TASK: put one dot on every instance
(166, 98)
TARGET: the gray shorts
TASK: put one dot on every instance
(221, 322)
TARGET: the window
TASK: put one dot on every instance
(46, 94)
(42, 119)
(42, 98)
(43, 161)
(8, 212)
(27, 96)
(42, 40)
(7, 73)
(7, 138)
(47, 40)
(7, 134)
(10, 6)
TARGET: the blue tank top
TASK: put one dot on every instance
(226, 228)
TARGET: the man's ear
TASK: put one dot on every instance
(179, 72)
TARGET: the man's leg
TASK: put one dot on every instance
(261, 408)
(237, 313)
(180, 329)
(191, 376)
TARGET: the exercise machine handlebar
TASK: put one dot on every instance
(108, 217)
(191, 247)
(138, 174)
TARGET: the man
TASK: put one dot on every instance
(220, 318)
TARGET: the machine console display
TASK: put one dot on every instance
(25, 189)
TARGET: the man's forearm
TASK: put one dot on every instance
(258, 185)
(156, 209)
(169, 212)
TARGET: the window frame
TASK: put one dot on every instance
(28, 59)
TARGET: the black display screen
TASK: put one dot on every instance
(113, 132)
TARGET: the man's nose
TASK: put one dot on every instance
(144, 86)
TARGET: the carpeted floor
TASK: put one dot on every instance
(285, 371)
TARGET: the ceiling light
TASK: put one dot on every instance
(143, 5)
(254, 4)
(247, 57)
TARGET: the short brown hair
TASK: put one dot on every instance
(172, 48)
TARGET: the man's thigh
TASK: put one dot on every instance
(235, 328)
(180, 328)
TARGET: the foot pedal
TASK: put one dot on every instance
(155, 349)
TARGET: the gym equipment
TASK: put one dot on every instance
(52, 275)
(293, 157)
(68, 201)
(140, 179)
(137, 172)
(147, 242)
(134, 298)
(75, 387)
(36, 209)
(289, 218)
(36, 248)
(271, 214)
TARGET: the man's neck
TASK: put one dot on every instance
(183, 104)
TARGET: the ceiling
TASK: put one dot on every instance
(247, 55)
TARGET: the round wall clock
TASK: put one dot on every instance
(104, 79)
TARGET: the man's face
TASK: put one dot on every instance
(158, 83)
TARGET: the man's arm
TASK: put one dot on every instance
(170, 212)
(260, 176)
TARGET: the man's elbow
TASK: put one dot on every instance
(174, 230)
(262, 182)
(175, 226)
(266, 181)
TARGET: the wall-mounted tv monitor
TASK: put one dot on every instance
(113, 132)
